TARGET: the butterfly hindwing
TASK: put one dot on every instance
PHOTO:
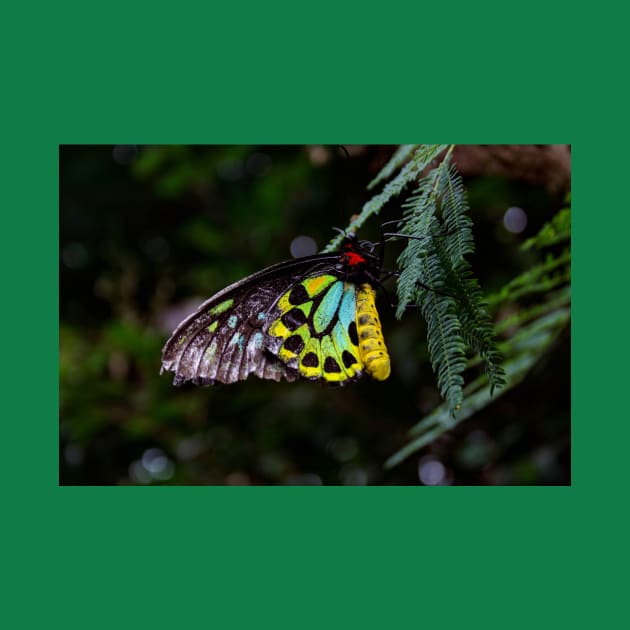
(313, 329)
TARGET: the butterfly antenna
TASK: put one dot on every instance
(385, 235)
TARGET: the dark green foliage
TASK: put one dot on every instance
(533, 330)
(434, 273)
(444, 335)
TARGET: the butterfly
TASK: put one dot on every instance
(309, 318)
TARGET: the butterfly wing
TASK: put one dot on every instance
(299, 319)
(226, 339)
(313, 329)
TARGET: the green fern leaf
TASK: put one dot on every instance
(440, 236)
(420, 159)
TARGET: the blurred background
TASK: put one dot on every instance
(149, 232)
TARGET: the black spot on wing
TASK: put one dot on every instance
(294, 343)
(331, 365)
(298, 295)
(293, 319)
(310, 359)
(352, 332)
(348, 358)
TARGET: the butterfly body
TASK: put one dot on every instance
(371, 342)
(313, 317)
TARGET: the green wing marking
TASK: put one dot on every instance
(314, 329)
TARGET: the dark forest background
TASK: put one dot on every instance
(149, 232)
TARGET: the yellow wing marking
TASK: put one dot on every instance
(314, 285)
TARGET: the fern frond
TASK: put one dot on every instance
(436, 222)
(421, 267)
(419, 223)
(421, 158)
(477, 328)
(454, 209)
(445, 342)
(395, 162)
(434, 274)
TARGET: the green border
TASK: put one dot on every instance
(294, 557)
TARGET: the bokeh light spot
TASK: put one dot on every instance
(353, 475)
(73, 454)
(157, 464)
(303, 246)
(318, 154)
(431, 471)
(515, 220)
(166, 470)
(138, 473)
